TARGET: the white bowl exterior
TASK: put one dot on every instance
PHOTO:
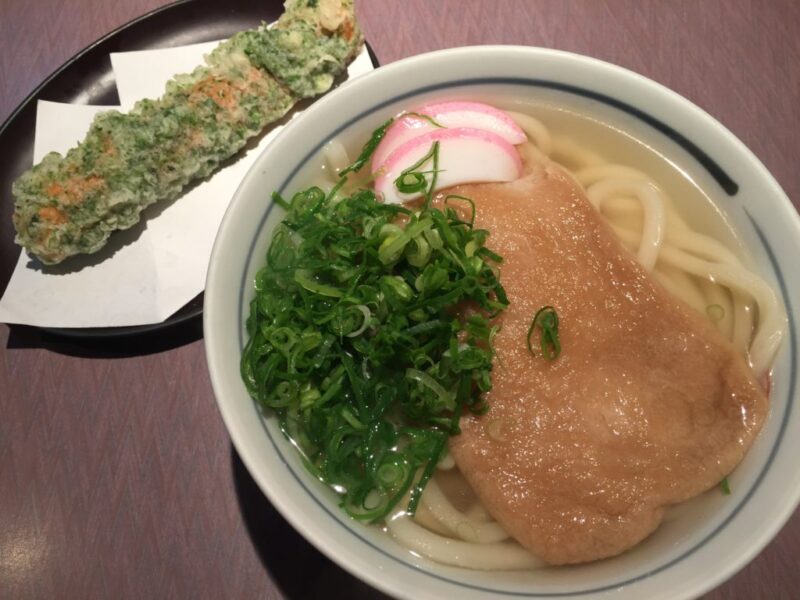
(739, 526)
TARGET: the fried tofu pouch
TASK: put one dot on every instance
(68, 205)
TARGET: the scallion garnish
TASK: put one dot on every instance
(469, 201)
(546, 321)
(368, 150)
(725, 486)
(412, 180)
(427, 118)
(357, 346)
(411, 183)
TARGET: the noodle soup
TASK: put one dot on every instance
(713, 529)
(649, 203)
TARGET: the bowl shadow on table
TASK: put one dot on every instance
(288, 558)
(140, 344)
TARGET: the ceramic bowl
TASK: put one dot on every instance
(702, 542)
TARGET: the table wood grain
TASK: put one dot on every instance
(117, 478)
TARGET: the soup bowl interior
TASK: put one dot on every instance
(701, 542)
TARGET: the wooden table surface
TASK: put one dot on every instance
(117, 477)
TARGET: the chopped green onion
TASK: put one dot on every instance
(411, 183)
(725, 486)
(304, 278)
(365, 312)
(427, 118)
(469, 201)
(546, 320)
(439, 446)
(434, 239)
(442, 395)
(411, 180)
(396, 287)
(356, 344)
(278, 199)
(368, 150)
(421, 254)
(392, 247)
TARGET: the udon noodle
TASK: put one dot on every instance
(451, 526)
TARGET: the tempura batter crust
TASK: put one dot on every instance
(71, 204)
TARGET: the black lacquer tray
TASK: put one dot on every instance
(87, 78)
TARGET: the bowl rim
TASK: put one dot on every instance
(217, 266)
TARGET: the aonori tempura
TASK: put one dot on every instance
(71, 204)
